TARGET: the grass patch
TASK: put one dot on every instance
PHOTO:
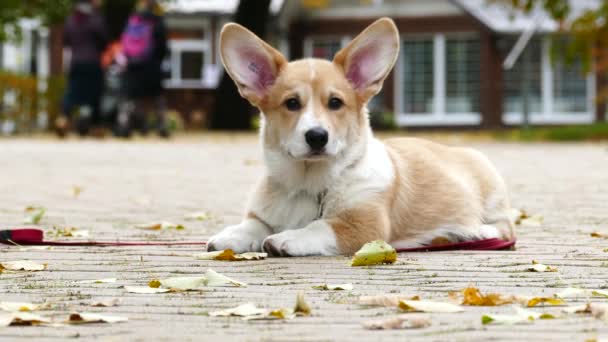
(591, 132)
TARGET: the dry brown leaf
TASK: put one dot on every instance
(334, 287)
(302, 308)
(105, 302)
(472, 296)
(86, 317)
(21, 265)
(599, 235)
(428, 306)
(164, 225)
(19, 306)
(229, 255)
(21, 318)
(399, 322)
(390, 300)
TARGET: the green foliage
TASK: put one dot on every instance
(593, 132)
(47, 11)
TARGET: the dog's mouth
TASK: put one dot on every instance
(312, 156)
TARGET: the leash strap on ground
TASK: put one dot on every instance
(35, 237)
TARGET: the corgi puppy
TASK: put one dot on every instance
(330, 186)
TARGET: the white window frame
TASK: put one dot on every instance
(309, 40)
(439, 116)
(209, 72)
(547, 115)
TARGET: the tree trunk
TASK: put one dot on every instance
(231, 110)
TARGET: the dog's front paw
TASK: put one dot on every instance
(301, 242)
(237, 238)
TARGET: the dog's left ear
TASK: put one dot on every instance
(368, 59)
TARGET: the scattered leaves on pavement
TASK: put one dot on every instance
(599, 235)
(521, 217)
(229, 255)
(390, 300)
(21, 265)
(21, 306)
(216, 279)
(373, 253)
(428, 306)
(301, 308)
(538, 267)
(97, 281)
(399, 322)
(164, 225)
(87, 317)
(545, 301)
(21, 318)
(521, 316)
(472, 296)
(145, 289)
(336, 287)
(69, 232)
(574, 293)
(198, 216)
(33, 215)
(106, 302)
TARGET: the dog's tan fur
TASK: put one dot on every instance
(407, 191)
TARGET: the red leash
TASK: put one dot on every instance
(33, 236)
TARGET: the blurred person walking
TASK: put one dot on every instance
(85, 36)
(144, 44)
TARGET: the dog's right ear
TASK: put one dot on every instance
(250, 62)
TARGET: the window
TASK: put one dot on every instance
(323, 47)
(418, 76)
(569, 87)
(513, 102)
(462, 60)
(192, 65)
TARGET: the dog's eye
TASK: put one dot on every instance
(335, 103)
(293, 104)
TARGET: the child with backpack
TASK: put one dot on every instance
(144, 44)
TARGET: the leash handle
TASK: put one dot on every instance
(33, 236)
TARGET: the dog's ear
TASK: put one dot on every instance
(368, 59)
(250, 62)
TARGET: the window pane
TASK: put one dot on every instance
(417, 59)
(569, 87)
(513, 79)
(325, 48)
(192, 65)
(462, 75)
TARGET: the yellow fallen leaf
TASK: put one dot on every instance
(183, 283)
(399, 322)
(215, 279)
(87, 317)
(105, 302)
(145, 289)
(301, 308)
(428, 306)
(164, 225)
(97, 281)
(21, 318)
(389, 300)
(537, 267)
(334, 287)
(373, 253)
(154, 283)
(472, 296)
(18, 306)
(532, 221)
(68, 232)
(544, 300)
(229, 255)
(21, 265)
(199, 216)
(33, 215)
(76, 190)
(599, 235)
(248, 309)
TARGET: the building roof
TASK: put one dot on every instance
(213, 6)
(502, 18)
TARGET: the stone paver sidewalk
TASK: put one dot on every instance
(126, 183)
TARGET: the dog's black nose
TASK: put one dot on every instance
(317, 138)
